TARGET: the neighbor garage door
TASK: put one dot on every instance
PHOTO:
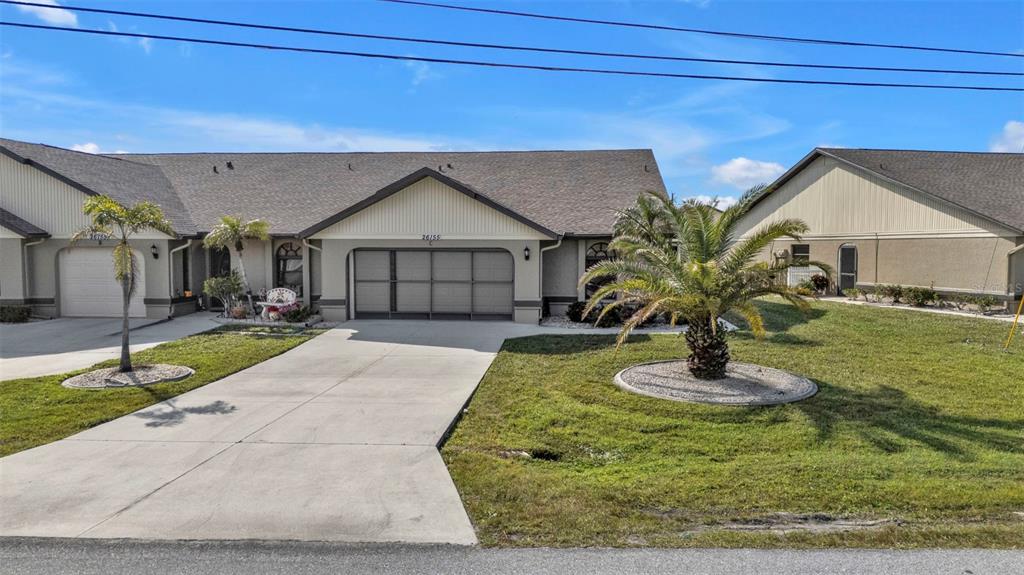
(88, 287)
(438, 284)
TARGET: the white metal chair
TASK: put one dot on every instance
(277, 299)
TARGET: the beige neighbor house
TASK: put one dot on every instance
(488, 235)
(951, 220)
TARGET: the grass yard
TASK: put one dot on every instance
(917, 431)
(38, 410)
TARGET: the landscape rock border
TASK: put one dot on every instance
(745, 384)
(143, 375)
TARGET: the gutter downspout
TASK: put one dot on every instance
(170, 276)
(540, 271)
(24, 266)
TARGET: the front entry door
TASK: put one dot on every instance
(847, 268)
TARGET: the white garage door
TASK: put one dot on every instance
(457, 284)
(88, 287)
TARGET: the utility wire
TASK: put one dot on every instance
(489, 64)
(431, 41)
(700, 30)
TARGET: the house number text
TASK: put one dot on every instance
(431, 237)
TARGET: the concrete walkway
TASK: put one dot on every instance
(66, 344)
(334, 440)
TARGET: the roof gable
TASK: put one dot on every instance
(428, 203)
(20, 226)
(989, 185)
(125, 181)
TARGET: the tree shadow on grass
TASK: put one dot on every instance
(559, 344)
(891, 421)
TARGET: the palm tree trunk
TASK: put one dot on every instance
(126, 297)
(709, 352)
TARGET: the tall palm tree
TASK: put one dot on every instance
(111, 219)
(231, 234)
(686, 261)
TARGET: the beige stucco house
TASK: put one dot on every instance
(488, 235)
(951, 220)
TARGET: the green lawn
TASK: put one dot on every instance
(38, 410)
(919, 422)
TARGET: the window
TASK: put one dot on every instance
(288, 262)
(801, 253)
(596, 253)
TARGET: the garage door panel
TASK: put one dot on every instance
(452, 266)
(452, 297)
(412, 266)
(373, 296)
(373, 265)
(492, 298)
(412, 297)
(88, 287)
(492, 266)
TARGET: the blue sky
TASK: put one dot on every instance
(710, 137)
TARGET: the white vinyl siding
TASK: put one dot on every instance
(835, 199)
(429, 207)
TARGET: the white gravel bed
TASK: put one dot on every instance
(745, 384)
(143, 375)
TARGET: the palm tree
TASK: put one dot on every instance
(686, 261)
(114, 220)
(231, 234)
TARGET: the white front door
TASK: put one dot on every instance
(88, 287)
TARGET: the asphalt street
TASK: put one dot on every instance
(112, 557)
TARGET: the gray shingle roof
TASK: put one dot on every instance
(989, 184)
(126, 181)
(575, 192)
(20, 226)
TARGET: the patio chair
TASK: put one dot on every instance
(276, 300)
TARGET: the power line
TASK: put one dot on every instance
(431, 41)
(489, 64)
(700, 30)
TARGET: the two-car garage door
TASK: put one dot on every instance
(88, 287)
(421, 283)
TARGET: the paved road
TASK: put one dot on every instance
(334, 440)
(66, 344)
(112, 557)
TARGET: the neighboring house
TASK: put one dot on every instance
(360, 235)
(952, 220)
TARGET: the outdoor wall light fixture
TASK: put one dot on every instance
(526, 253)
(155, 251)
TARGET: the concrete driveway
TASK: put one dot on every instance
(66, 344)
(335, 440)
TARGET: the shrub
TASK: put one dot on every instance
(225, 288)
(854, 293)
(14, 313)
(297, 314)
(819, 282)
(610, 319)
(804, 290)
(959, 300)
(985, 303)
(575, 311)
(806, 285)
(920, 296)
(893, 292)
(878, 293)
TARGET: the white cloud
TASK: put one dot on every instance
(720, 202)
(145, 43)
(1011, 139)
(88, 148)
(55, 16)
(742, 173)
(421, 72)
